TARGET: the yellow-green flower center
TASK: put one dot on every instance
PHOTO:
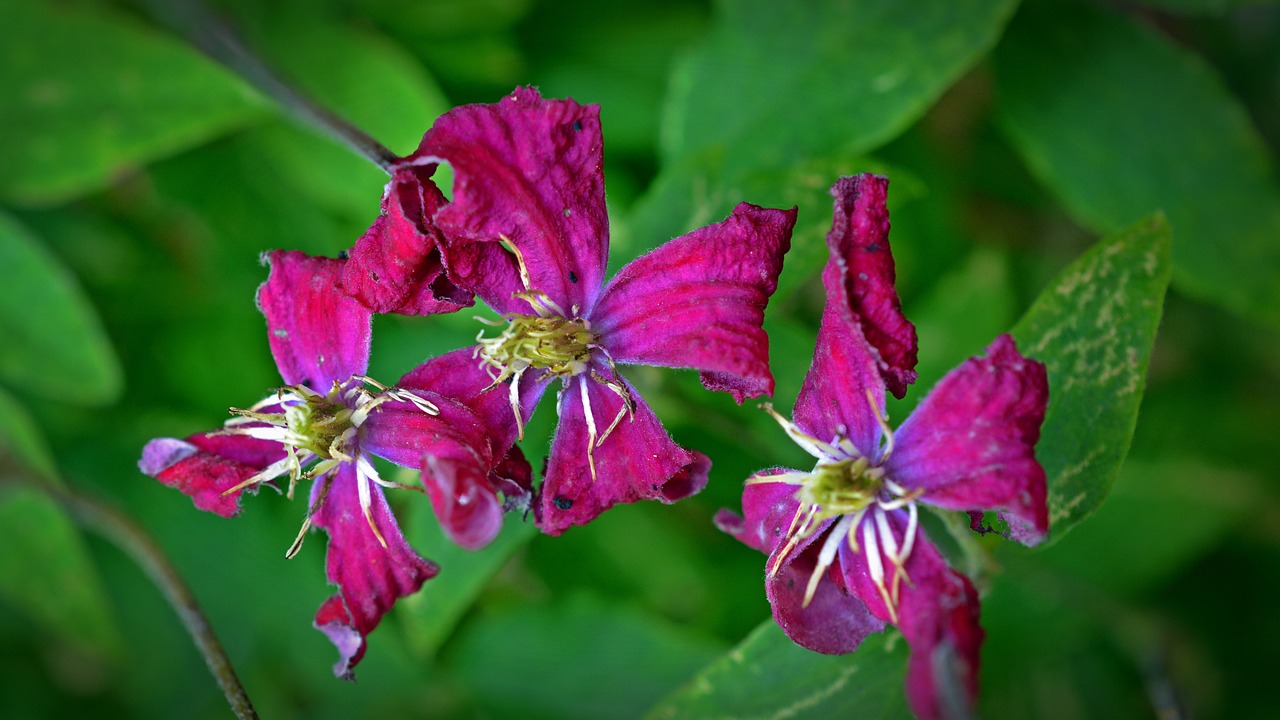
(556, 344)
(841, 487)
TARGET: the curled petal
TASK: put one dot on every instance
(317, 333)
(369, 576)
(396, 267)
(206, 466)
(529, 171)
(767, 510)
(698, 302)
(833, 621)
(844, 389)
(465, 452)
(637, 460)
(971, 442)
(860, 274)
(937, 612)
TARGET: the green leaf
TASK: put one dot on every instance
(1119, 122)
(430, 616)
(46, 572)
(53, 342)
(582, 658)
(769, 676)
(1094, 328)
(21, 441)
(90, 93)
(364, 77)
(783, 83)
(1146, 515)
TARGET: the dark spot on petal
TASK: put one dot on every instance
(374, 275)
(562, 503)
(573, 277)
(862, 276)
(873, 247)
(577, 126)
(567, 212)
(342, 255)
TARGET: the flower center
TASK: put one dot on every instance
(556, 344)
(840, 487)
(321, 428)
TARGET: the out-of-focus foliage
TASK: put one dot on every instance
(139, 181)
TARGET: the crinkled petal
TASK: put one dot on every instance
(396, 266)
(637, 461)
(836, 399)
(466, 452)
(370, 577)
(698, 302)
(834, 622)
(937, 612)
(206, 466)
(318, 334)
(860, 274)
(453, 451)
(971, 442)
(529, 171)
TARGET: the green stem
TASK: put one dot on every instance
(192, 19)
(130, 537)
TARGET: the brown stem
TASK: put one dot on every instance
(212, 36)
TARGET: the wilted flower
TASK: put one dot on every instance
(847, 553)
(325, 425)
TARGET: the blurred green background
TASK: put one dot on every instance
(140, 181)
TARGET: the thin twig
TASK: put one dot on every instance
(130, 537)
(214, 38)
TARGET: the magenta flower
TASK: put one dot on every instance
(847, 553)
(325, 425)
(528, 232)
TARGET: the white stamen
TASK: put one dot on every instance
(824, 452)
(826, 556)
(365, 473)
(591, 425)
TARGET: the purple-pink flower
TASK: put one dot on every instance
(326, 425)
(847, 553)
(527, 231)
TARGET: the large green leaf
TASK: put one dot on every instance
(53, 342)
(21, 442)
(46, 572)
(1094, 328)
(781, 83)
(1120, 122)
(89, 93)
(769, 676)
(582, 658)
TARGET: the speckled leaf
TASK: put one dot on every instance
(89, 93)
(46, 572)
(782, 82)
(52, 340)
(1120, 121)
(768, 676)
(1094, 328)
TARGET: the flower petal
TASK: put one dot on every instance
(971, 442)
(860, 276)
(638, 460)
(370, 577)
(464, 452)
(836, 399)
(318, 335)
(396, 267)
(937, 612)
(529, 171)
(698, 302)
(206, 466)
(834, 622)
